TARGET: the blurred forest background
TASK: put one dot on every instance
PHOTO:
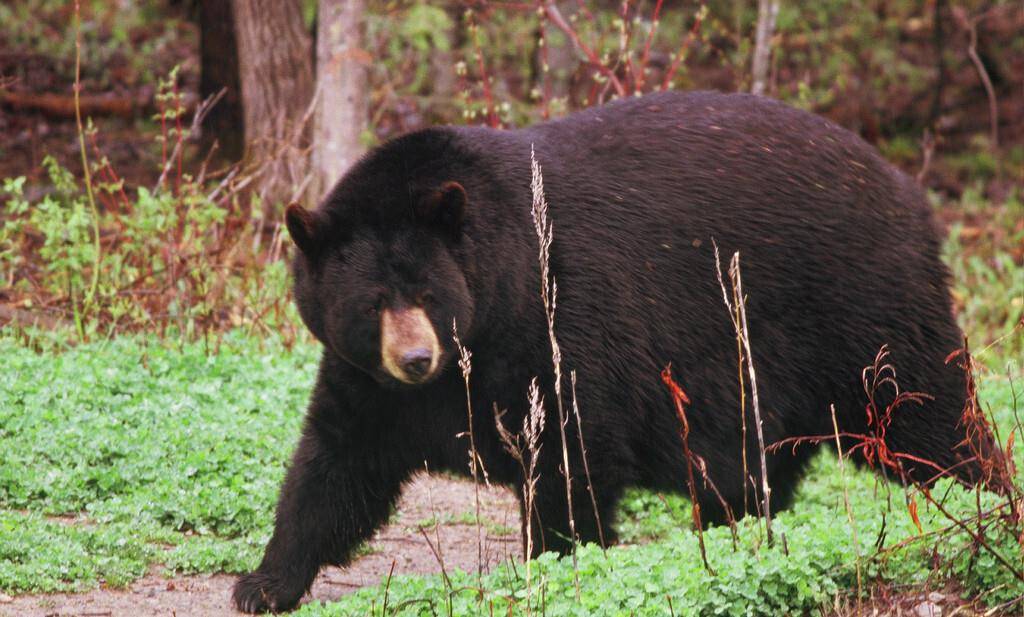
(155, 365)
(148, 147)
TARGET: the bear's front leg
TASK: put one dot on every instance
(337, 492)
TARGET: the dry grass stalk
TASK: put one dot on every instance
(387, 587)
(549, 294)
(846, 502)
(525, 447)
(730, 518)
(435, 547)
(475, 463)
(743, 398)
(738, 315)
(87, 176)
(586, 465)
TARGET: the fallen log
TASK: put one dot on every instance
(63, 105)
(13, 316)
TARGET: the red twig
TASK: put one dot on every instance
(874, 449)
(582, 6)
(179, 135)
(485, 79)
(555, 16)
(645, 57)
(872, 445)
(108, 170)
(684, 49)
(680, 400)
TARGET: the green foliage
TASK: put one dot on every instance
(977, 162)
(172, 259)
(901, 149)
(425, 28)
(150, 446)
(988, 270)
(46, 555)
(63, 219)
(125, 44)
(646, 516)
(405, 40)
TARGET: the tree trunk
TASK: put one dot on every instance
(219, 70)
(275, 66)
(341, 90)
(767, 11)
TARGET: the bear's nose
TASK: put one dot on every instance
(416, 363)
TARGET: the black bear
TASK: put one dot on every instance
(840, 256)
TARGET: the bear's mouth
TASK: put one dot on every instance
(409, 349)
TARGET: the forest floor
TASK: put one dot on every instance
(430, 532)
(435, 514)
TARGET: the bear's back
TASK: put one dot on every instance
(839, 251)
(757, 150)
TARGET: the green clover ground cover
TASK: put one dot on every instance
(160, 455)
(120, 455)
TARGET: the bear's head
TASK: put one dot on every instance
(378, 278)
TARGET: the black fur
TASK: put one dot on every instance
(840, 256)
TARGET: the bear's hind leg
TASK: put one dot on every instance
(785, 469)
(550, 526)
(932, 435)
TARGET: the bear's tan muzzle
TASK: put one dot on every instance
(409, 349)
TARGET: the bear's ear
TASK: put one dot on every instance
(306, 228)
(444, 206)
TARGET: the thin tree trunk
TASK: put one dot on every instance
(218, 54)
(938, 42)
(341, 90)
(767, 11)
(275, 66)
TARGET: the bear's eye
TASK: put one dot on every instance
(373, 308)
(424, 298)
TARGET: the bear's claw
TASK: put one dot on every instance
(258, 592)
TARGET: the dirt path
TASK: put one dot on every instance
(425, 500)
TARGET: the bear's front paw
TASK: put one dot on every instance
(260, 592)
